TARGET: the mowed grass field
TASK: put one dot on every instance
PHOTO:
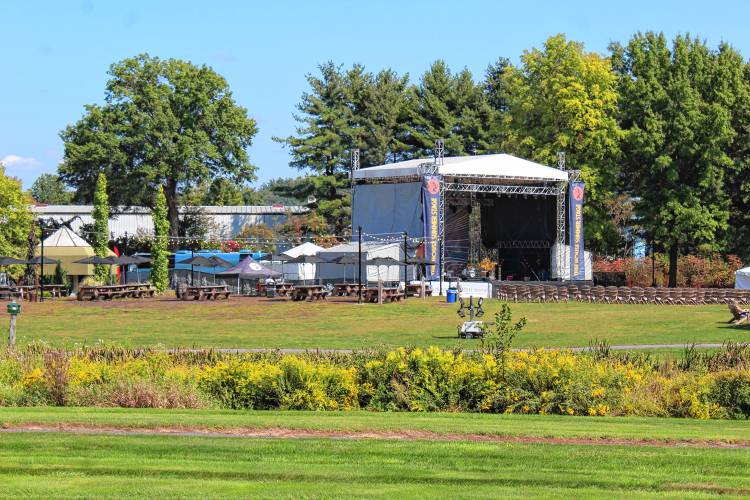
(145, 464)
(279, 323)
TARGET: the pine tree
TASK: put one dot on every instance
(101, 227)
(159, 252)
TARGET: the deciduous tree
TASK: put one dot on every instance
(16, 221)
(164, 123)
(562, 98)
(677, 131)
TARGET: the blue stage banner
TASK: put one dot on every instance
(577, 261)
(431, 215)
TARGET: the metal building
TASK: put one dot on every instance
(226, 220)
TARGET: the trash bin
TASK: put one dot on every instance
(451, 295)
(271, 291)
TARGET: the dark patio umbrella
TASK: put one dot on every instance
(283, 258)
(96, 260)
(248, 268)
(10, 261)
(217, 261)
(383, 261)
(126, 260)
(306, 259)
(346, 260)
(38, 260)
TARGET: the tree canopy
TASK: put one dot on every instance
(164, 123)
(677, 121)
(16, 220)
(50, 189)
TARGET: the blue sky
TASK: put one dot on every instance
(55, 54)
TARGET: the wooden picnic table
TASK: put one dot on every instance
(415, 290)
(102, 292)
(390, 294)
(311, 292)
(282, 289)
(347, 289)
(207, 292)
(10, 292)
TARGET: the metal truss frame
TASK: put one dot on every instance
(523, 244)
(465, 187)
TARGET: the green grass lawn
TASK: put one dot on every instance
(55, 464)
(263, 323)
(440, 423)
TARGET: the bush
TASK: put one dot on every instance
(715, 385)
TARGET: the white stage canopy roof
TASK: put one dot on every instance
(500, 166)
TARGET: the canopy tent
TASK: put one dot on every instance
(495, 166)
(248, 268)
(742, 278)
(67, 247)
(370, 250)
(302, 270)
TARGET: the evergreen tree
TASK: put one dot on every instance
(159, 248)
(101, 227)
(677, 129)
(50, 189)
(324, 141)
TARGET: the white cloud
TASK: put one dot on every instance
(18, 161)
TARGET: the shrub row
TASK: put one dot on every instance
(543, 382)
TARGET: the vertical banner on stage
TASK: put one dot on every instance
(431, 216)
(577, 261)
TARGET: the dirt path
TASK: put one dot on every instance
(288, 433)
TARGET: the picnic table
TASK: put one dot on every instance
(282, 289)
(415, 290)
(106, 292)
(347, 289)
(207, 292)
(311, 292)
(390, 294)
(10, 292)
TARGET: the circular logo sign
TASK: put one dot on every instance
(578, 193)
(255, 266)
(433, 186)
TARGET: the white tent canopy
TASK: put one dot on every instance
(502, 166)
(301, 271)
(742, 278)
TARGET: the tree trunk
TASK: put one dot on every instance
(170, 194)
(673, 266)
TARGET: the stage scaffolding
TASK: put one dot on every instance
(515, 186)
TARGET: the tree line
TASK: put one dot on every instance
(659, 130)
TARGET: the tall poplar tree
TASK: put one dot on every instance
(101, 227)
(678, 128)
(159, 247)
